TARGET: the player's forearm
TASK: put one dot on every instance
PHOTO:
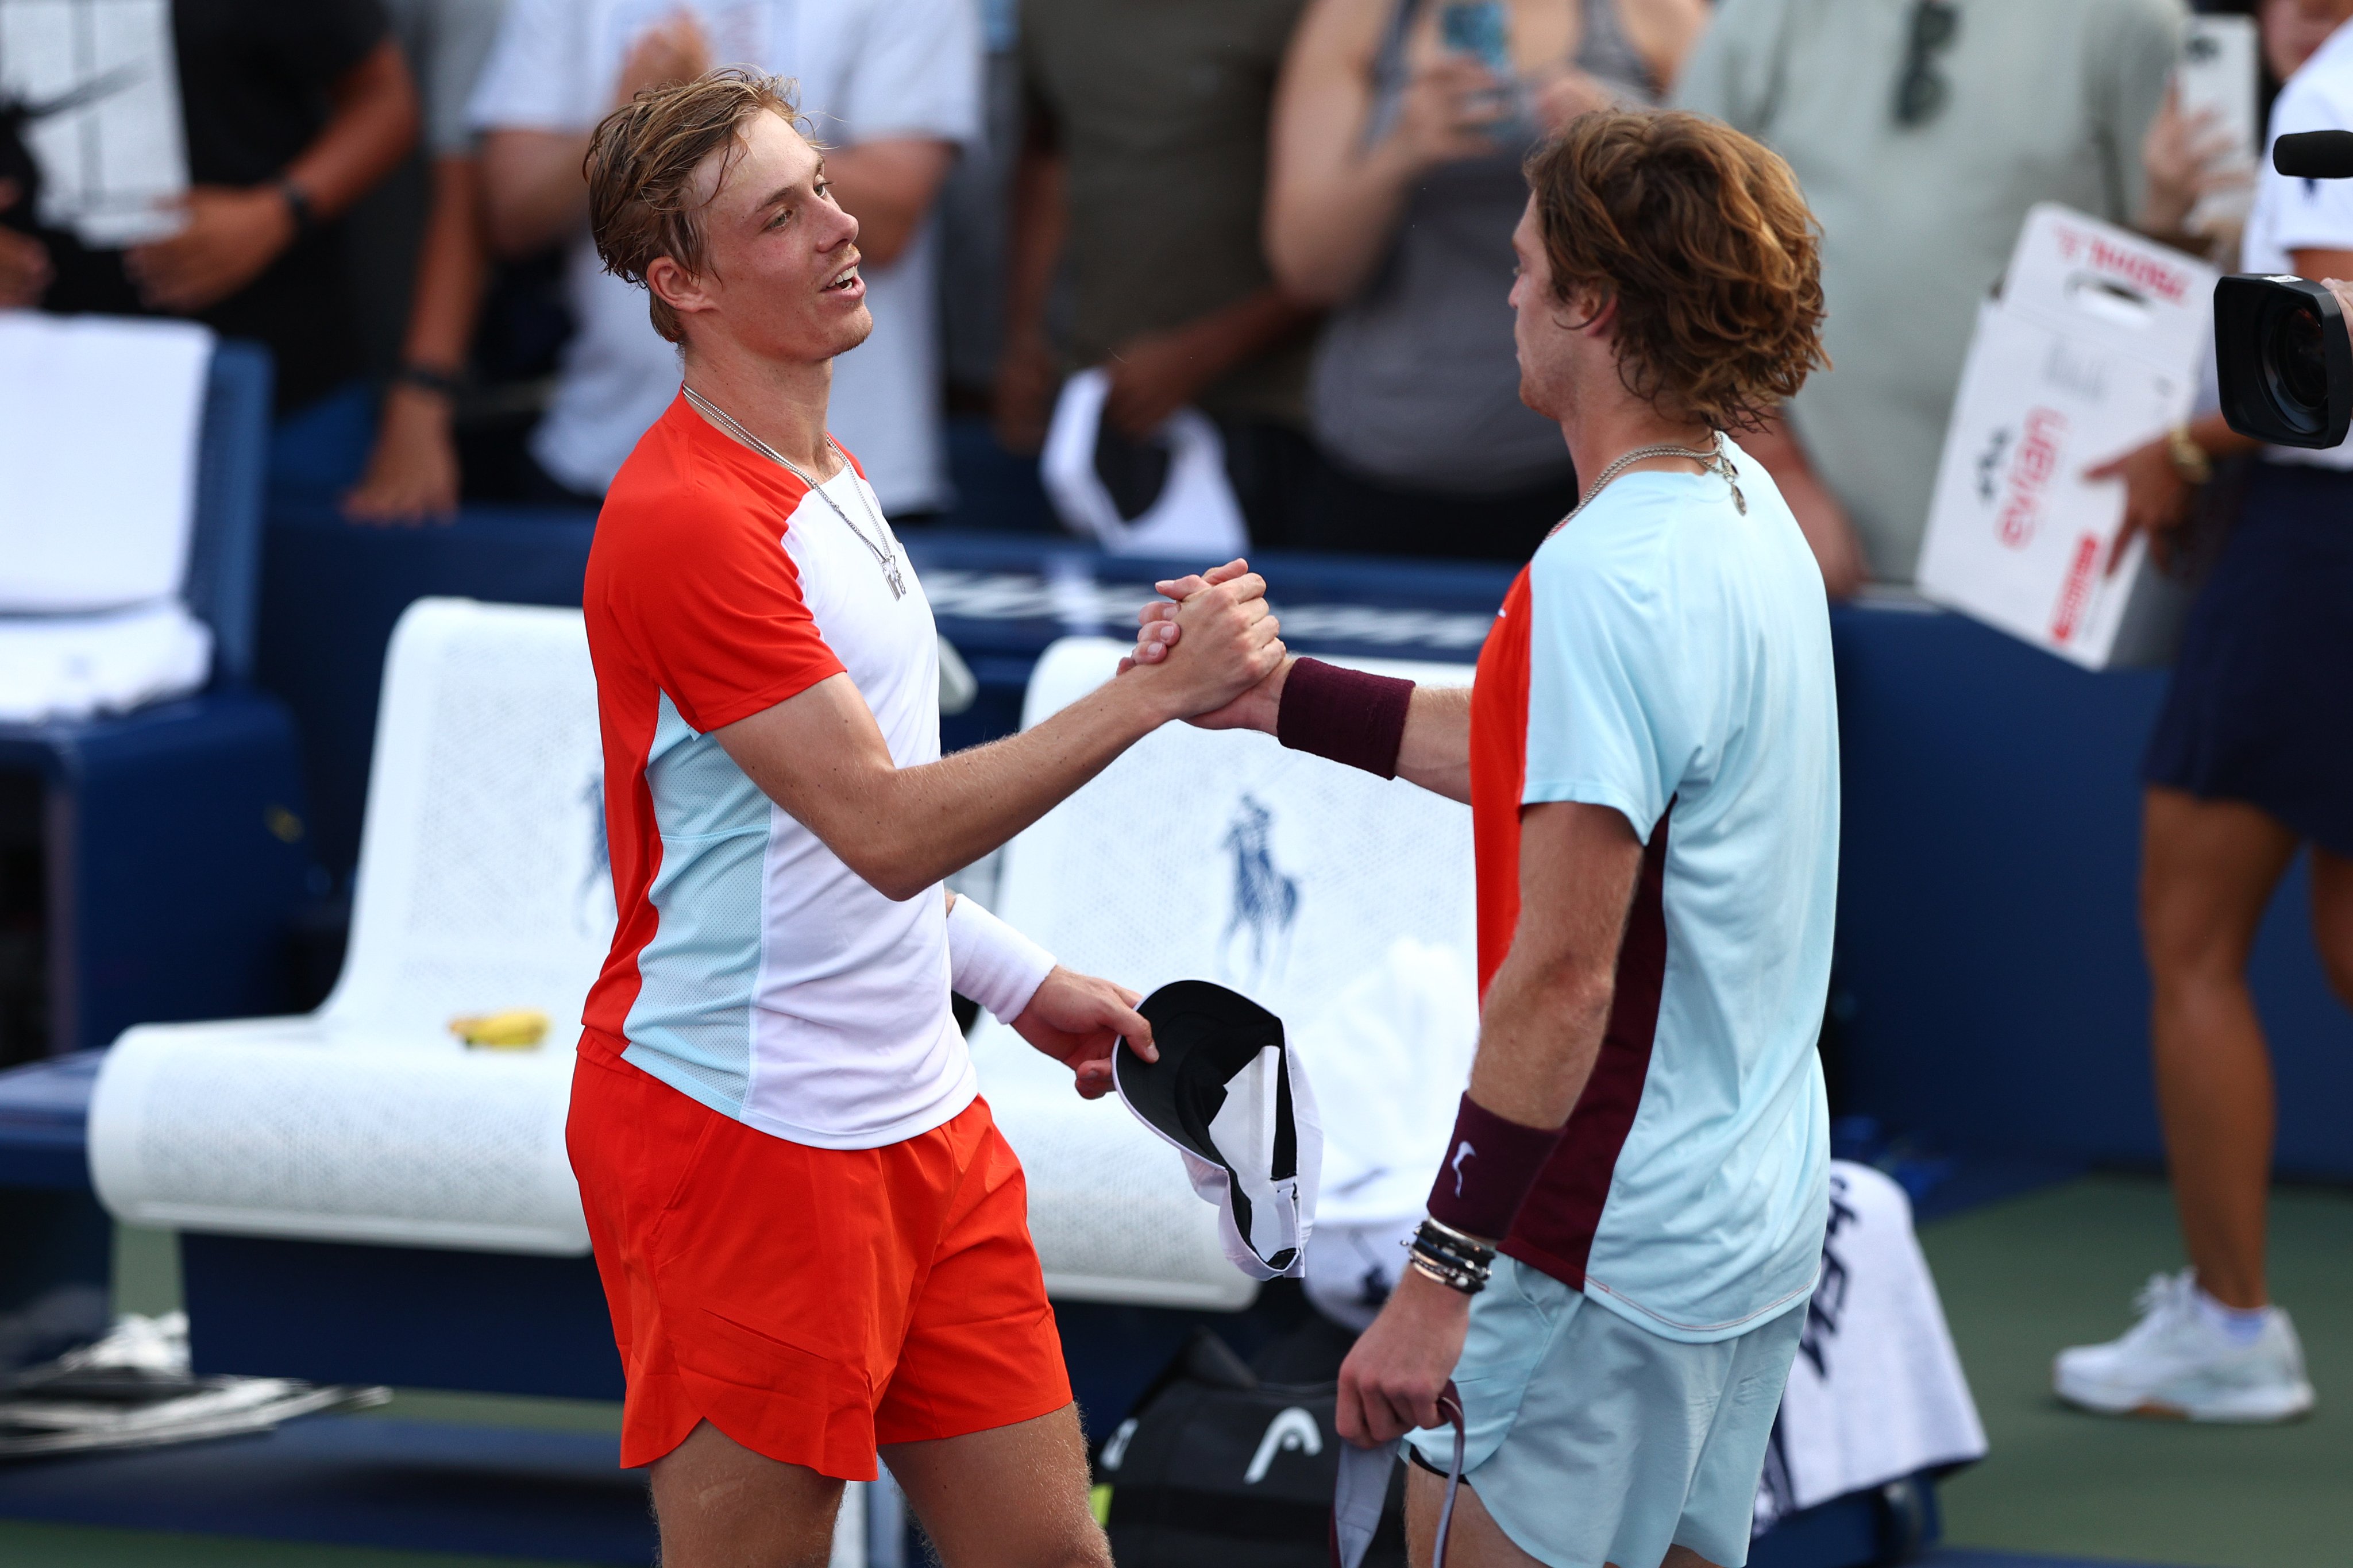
(534, 193)
(1435, 751)
(1433, 747)
(372, 126)
(1541, 1028)
(1539, 1035)
(927, 822)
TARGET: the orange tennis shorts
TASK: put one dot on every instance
(810, 1303)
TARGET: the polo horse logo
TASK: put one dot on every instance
(1266, 901)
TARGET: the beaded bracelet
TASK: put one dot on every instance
(1455, 1260)
(1457, 1280)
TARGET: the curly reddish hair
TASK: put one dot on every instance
(643, 202)
(1700, 236)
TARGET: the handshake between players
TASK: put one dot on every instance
(812, 1236)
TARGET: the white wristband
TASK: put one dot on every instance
(991, 963)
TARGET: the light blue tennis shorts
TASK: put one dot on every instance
(1592, 1441)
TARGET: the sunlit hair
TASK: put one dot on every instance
(1701, 238)
(643, 200)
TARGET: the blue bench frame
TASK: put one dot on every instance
(172, 860)
(173, 835)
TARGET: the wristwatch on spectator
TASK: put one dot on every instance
(428, 378)
(298, 205)
(2190, 458)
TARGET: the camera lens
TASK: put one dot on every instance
(2294, 366)
(2281, 350)
(2302, 370)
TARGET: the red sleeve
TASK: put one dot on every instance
(718, 617)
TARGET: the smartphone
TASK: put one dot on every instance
(1481, 29)
(2217, 74)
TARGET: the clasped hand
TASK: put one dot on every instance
(1231, 643)
(1161, 623)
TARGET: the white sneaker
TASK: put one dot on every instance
(2177, 1363)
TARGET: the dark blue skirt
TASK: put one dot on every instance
(2261, 708)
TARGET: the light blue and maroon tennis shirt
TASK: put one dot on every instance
(1668, 656)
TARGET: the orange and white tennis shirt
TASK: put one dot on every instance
(751, 968)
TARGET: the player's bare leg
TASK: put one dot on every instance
(1474, 1539)
(1012, 1497)
(719, 1505)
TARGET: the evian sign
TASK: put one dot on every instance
(2091, 349)
(2030, 473)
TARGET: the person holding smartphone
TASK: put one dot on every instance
(1393, 183)
(1922, 133)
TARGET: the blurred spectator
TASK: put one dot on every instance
(2185, 159)
(1145, 153)
(2291, 32)
(893, 84)
(1921, 134)
(973, 205)
(1394, 185)
(2251, 764)
(292, 109)
(412, 472)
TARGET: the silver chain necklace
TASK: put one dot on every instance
(1713, 460)
(885, 553)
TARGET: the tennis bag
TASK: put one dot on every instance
(1218, 1469)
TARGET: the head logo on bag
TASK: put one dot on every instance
(1116, 1449)
(1294, 1431)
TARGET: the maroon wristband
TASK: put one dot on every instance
(1343, 714)
(1490, 1164)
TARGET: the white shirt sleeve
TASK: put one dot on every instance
(2313, 215)
(915, 70)
(535, 78)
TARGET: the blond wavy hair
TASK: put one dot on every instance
(1700, 236)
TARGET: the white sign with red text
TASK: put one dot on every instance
(2093, 349)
